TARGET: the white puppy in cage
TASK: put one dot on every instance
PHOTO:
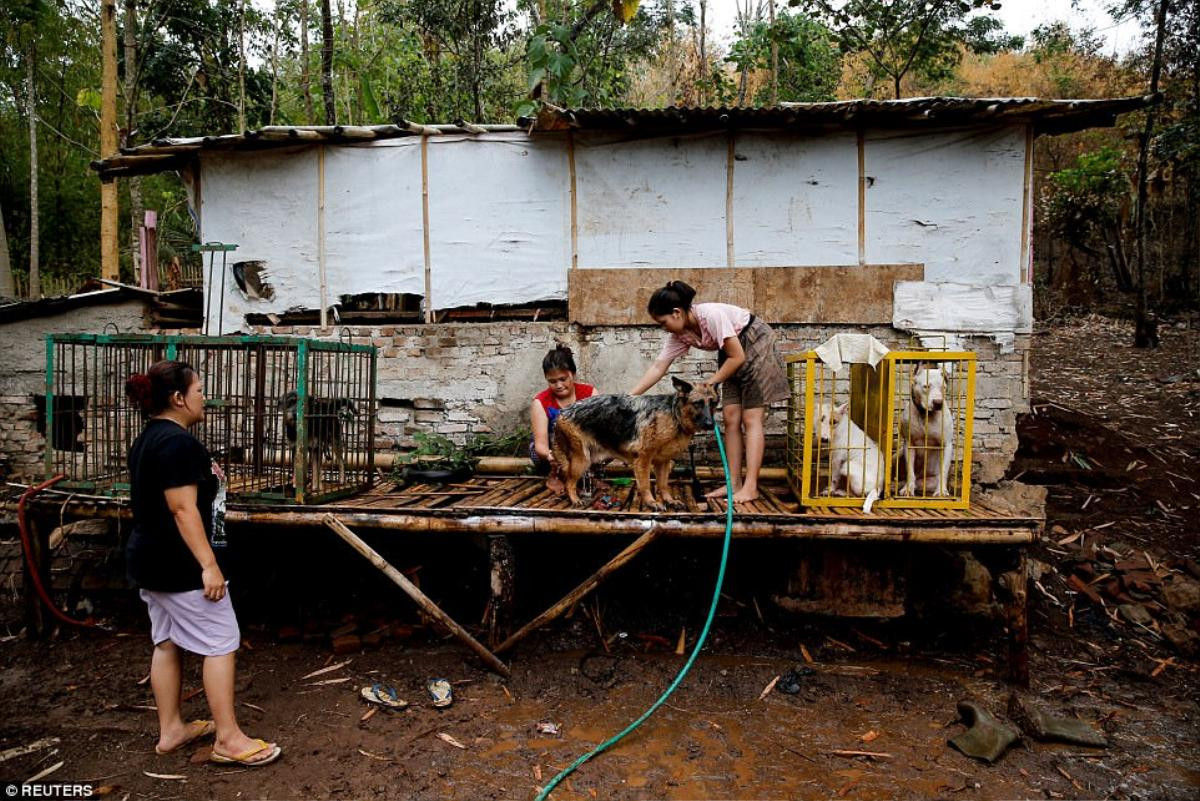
(927, 435)
(855, 461)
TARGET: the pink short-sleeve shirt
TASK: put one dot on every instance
(718, 322)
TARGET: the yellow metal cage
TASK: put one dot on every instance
(873, 426)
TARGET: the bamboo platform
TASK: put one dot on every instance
(523, 505)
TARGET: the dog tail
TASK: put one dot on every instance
(869, 501)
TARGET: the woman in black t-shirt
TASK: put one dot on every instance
(177, 499)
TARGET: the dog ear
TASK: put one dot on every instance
(839, 411)
(681, 386)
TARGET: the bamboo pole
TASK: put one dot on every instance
(425, 227)
(321, 235)
(589, 584)
(422, 600)
(109, 253)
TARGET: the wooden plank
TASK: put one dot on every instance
(820, 294)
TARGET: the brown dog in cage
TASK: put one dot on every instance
(927, 436)
(645, 431)
(325, 422)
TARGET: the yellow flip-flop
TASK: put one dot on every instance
(196, 730)
(244, 759)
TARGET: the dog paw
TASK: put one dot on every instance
(675, 503)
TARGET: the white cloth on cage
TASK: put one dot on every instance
(842, 349)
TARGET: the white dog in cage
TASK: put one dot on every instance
(927, 435)
(855, 461)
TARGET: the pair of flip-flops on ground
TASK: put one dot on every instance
(387, 697)
(203, 728)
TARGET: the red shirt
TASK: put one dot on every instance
(549, 402)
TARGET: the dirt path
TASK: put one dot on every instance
(716, 738)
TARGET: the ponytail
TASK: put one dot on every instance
(674, 295)
(151, 391)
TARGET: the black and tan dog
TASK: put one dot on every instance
(644, 431)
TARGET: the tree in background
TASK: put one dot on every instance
(904, 36)
(809, 63)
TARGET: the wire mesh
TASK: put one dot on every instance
(288, 420)
(852, 433)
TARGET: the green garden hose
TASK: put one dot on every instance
(712, 611)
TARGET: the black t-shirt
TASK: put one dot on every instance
(163, 456)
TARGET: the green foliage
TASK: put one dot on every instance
(809, 62)
(1086, 199)
(439, 452)
(901, 36)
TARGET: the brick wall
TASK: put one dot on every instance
(461, 379)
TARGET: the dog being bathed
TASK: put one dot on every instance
(645, 431)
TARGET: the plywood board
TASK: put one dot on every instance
(854, 295)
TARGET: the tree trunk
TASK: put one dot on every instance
(896, 85)
(131, 102)
(703, 51)
(242, 66)
(35, 281)
(277, 24)
(327, 63)
(8, 288)
(1145, 333)
(305, 77)
(110, 251)
(774, 60)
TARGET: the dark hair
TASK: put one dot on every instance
(560, 358)
(675, 295)
(151, 391)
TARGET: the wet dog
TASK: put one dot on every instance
(927, 436)
(855, 461)
(325, 421)
(645, 431)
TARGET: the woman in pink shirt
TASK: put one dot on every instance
(749, 368)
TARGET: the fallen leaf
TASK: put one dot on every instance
(770, 686)
(370, 713)
(448, 739)
(44, 773)
(869, 736)
(537, 772)
(325, 682)
(804, 653)
(329, 669)
(168, 776)
(374, 756)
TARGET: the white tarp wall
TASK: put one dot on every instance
(500, 221)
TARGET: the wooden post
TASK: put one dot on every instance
(321, 236)
(729, 260)
(1018, 621)
(862, 198)
(422, 600)
(589, 584)
(574, 200)
(110, 265)
(38, 621)
(502, 580)
(425, 227)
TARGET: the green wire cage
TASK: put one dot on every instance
(289, 420)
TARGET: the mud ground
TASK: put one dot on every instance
(887, 687)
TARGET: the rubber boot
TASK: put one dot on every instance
(987, 739)
(1044, 726)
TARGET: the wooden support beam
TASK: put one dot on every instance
(1018, 621)
(589, 584)
(502, 585)
(109, 253)
(421, 599)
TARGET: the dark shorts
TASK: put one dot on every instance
(762, 379)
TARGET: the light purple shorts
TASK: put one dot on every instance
(192, 622)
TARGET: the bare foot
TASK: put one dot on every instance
(555, 485)
(745, 495)
(717, 493)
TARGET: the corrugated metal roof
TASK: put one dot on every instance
(1046, 116)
